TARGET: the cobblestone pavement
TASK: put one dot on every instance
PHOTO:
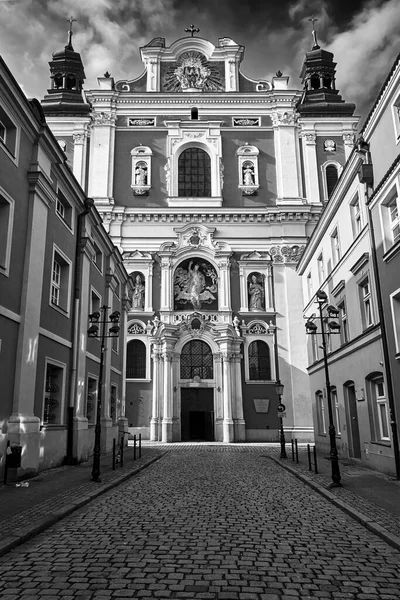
(217, 523)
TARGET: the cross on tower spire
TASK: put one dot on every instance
(70, 32)
(314, 20)
(192, 30)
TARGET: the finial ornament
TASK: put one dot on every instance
(313, 21)
(192, 30)
(70, 32)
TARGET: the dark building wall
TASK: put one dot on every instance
(9, 336)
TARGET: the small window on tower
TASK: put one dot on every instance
(58, 81)
(194, 113)
(71, 82)
(327, 83)
(315, 83)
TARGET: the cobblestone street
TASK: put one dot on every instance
(214, 522)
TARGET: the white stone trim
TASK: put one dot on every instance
(55, 337)
(51, 361)
(324, 166)
(5, 267)
(66, 312)
(248, 155)
(141, 157)
(269, 339)
(9, 314)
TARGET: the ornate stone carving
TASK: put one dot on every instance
(221, 173)
(348, 139)
(330, 146)
(144, 122)
(167, 170)
(258, 329)
(193, 73)
(136, 329)
(310, 138)
(286, 118)
(292, 253)
(78, 138)
(246, 122)
(103, 118)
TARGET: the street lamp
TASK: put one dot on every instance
(93, 331)
(327, 327)
(279, 387)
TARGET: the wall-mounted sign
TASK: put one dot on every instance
(141, 122)
(261, 405)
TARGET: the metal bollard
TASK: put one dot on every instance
(315, 460)
(293, 450)
(140, 445)
(113, 454)
(122, 450)
(309, 457)
(297, 451)
(134, 447)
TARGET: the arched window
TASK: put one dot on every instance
(194, 173)
(136, 360)
(332, 175)
(194, 112)
(71, 82)
(196, 360)
(259, 361)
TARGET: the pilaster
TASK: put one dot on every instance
(80, 138)
(101, 168)
(311, 167)
(287, 157)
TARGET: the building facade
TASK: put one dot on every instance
(210, 184)
(57, 265)
(351, 256)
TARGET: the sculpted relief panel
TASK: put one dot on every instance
(192, 73)
(195, 285)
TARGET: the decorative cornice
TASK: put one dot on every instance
(362, 261)
(338, 288)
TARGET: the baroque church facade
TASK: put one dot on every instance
(210, 184)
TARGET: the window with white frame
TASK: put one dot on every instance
(194, 173)
(6, 229)
(60, 281)
(63, 208)
(391, 219)
(259, 361)
(314, 347)
(395, 309)
(336, 254)
(366, 303)
(91, 398)
(98, 257)
(355, 214)
(320, 407)
(8, 134)
(335, 410)
(248, 169)
(344, 325)
(95, 301)
(396, 118)
(136, 360)
(380, 409)
(309, 286)
(330, 175)
(321, 268)
(53, 393)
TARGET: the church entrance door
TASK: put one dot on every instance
(197, 414)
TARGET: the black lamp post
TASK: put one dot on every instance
(279, 387)
(327, 328)
(93, 331)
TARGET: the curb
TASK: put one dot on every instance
(367, 522)
(23, 534)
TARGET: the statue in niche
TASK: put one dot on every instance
(141, 173)
(138, 293)
(248, 173)
(256, 294)
(193, 285)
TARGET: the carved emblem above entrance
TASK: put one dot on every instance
(193, 73)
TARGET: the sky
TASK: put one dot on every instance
(363, 35)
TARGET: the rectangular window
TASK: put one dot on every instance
(344, 325)
(60, 281)
(336, 254)
(8, 133)
(394, 221)
(320, 413)
(53, 393)
(98, 257)
(95, 301)
(382, 409)
(366, 304)
(355, 213)
(335, 410)
(64, 208)
(6, 230)
(395, 307)
(314, 345)
(91, 399)
(321, 268)
(309, 286)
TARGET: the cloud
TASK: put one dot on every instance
(365, 52)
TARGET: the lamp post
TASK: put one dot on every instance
(279, 387)
(327, 328)
(93, 331)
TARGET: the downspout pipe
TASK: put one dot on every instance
(69, 458)
(366, 177)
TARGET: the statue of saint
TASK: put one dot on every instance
(191, 285)
(248, 174)
(138, 293)
(256, 294)
(141, 174)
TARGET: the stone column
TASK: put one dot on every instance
(123, 424)
(79, 160)
(348, 141)
(165, 303)
(155, 410)
(239, 422)
(287, 156)
(224, 288)
(101, 167)
(107, 430)
(218, 398)
(167, 398)
(228, 429)
(311, 167)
